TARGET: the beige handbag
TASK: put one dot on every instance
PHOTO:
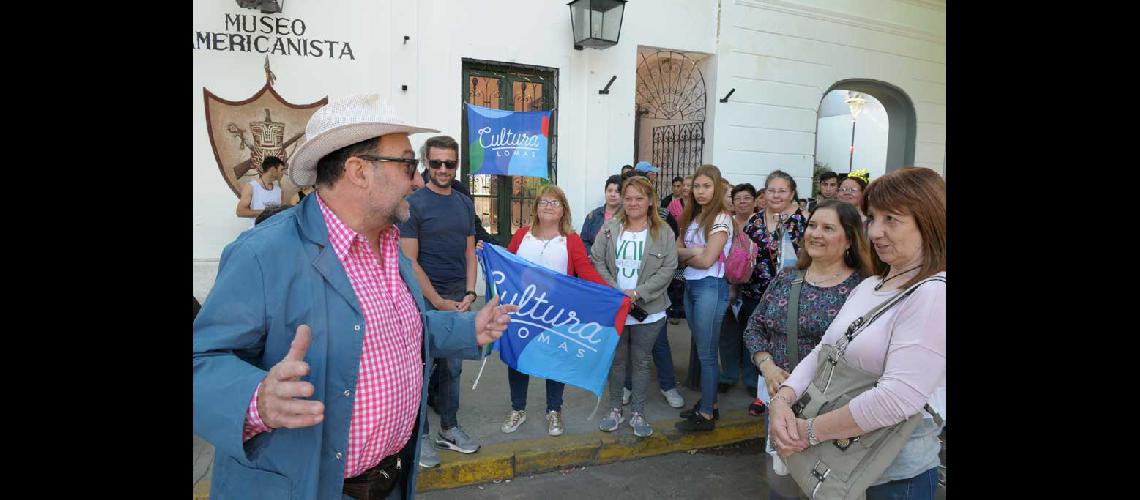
(845, 468)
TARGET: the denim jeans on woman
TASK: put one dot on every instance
(735, 360)
(920, 487)
(520, 382)
(705, 302)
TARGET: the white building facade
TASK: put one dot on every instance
(781, 57)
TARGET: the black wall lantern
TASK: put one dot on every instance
(596, 23)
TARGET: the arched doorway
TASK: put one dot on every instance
(900, 116)
(670, 125)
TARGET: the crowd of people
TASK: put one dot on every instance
(864, 286)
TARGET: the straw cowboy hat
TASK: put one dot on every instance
(343, 122)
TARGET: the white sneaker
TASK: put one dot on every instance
(456, 439)
(641, 428)
(610, 423)
(554, 423)
(429, 456)
(625, 394)
(673, 398)
(514, 420)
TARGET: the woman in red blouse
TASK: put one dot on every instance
(551, 243)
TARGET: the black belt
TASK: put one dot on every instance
(378, 482)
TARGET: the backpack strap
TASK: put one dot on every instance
(875, 313)
(792, 323)
(937, 417)
(863, 321)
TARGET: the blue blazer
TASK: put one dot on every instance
(281, 274)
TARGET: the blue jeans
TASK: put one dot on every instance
(520, 382)
(735, 359)
(447, 370)
(662, 359)
(705, 302)
(920, 487)
(447, 393)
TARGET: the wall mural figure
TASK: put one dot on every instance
(270, 119)
(265, 6)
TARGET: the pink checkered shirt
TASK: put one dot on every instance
(391, 376)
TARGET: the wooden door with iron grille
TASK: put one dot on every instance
(505, 203)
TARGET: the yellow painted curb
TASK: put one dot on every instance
(558, 454)
(534, 456)
(667, 439)
(488, 464)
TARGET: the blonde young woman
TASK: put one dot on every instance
(635, 252)
(733, 357)
(551, 243)
(703, 245)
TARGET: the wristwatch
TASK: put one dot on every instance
(811, 432)
(469, 292)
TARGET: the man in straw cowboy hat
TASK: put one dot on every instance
(309, 352)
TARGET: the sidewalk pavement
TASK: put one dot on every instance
(530, 450)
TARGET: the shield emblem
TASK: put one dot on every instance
(243, 133)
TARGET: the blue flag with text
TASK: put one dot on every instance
(508, 142)
(566, 329)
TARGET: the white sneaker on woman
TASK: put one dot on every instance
(554, 423)
(641, 428)
(673, 398)
(514, 420)
(610, 423)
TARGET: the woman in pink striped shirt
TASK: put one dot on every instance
(906, 211)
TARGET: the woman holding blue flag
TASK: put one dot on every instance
(703, 245)
(553, 244)
(635, 252)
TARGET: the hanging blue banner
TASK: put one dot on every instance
(507, 142)
(566, 329)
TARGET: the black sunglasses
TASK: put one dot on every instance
(450, 164)
(409, 163)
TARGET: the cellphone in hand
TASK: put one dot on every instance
(638, 313)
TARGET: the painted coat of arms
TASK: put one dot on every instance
(243, 133)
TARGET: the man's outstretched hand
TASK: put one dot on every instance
(277, 403)
(492, 321)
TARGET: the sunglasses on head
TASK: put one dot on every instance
(450, 164)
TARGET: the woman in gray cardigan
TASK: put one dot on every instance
(635, 252)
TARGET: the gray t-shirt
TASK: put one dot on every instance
(442, 225)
